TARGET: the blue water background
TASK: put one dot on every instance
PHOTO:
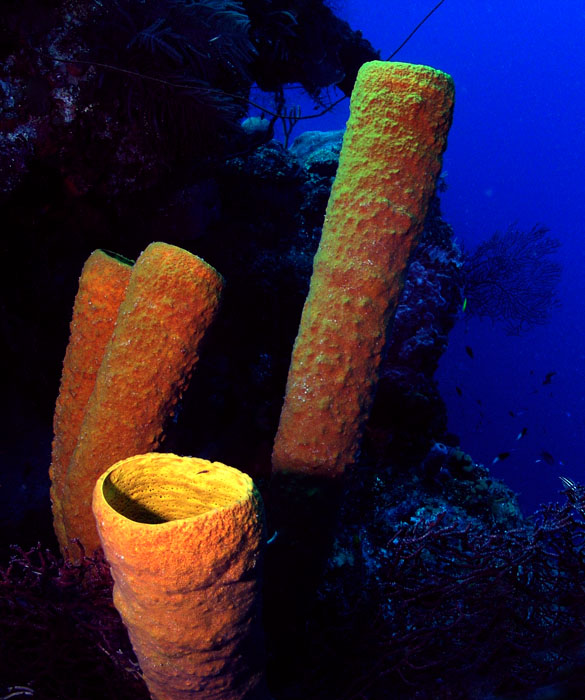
(516, 153)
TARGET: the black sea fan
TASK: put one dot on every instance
(511, 277)
(176, 69)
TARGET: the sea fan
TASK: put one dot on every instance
(511, 277)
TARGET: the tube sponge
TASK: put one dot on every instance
(389, 162)
(171, 299)
(102, 286)
(184, 538)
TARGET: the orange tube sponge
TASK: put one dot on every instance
(102, 286)
(171, 300)
(184, 538)
(389, 162)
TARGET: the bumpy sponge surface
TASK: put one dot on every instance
(389, 162)
(184, 539)
(171, 300)
(102, 286)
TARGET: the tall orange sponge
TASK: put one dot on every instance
(102, 286)
(184, 540)
(171, 300)
(390, 159)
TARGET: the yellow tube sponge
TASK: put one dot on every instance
(184, 538)
(102, 286)
(171, 300)
(389, 162)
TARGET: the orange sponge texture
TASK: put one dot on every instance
(184, 540)
(102, 286)
(171, 299)
(389, 162)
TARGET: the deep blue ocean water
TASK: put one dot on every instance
(516, 154)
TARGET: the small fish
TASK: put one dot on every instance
(501, 457)
(548, 377)
(511, 413)
(469, 351)
(458, 390)
(573, 493)
(464, 305)
(547, 458)
(521, 434)
(568, 483)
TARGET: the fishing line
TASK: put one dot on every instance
(413, 32)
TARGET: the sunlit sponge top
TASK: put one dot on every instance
(184, 540)
(158, 488)
(158, 511)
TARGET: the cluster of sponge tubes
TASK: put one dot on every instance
(183, 536)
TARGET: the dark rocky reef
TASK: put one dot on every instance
(447, 593)
(114, 97)
(408, 415)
